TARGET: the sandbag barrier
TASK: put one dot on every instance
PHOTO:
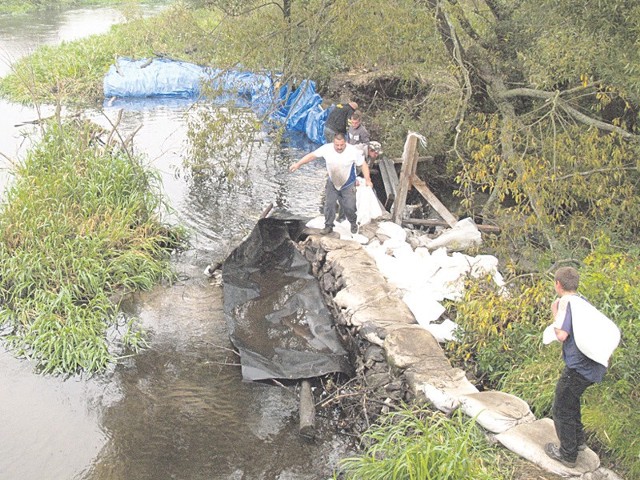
(373, 311)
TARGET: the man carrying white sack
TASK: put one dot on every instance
(341, 161)
(588, 340)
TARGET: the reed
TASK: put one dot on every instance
(79, 227)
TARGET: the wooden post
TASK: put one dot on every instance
(430, 222)
(307, 410)
(409, 166)
(434, 201)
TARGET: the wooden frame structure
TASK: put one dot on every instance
(409, 179)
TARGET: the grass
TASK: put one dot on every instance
(418, 444)
(78, 227)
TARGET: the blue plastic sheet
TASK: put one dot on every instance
(298, 109)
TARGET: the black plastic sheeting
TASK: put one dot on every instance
(274, 308)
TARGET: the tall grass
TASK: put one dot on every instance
(79, 226)
(418, 444)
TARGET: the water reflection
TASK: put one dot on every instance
(179, 409)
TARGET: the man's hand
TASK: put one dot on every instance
(294, 167)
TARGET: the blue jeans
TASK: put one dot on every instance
(346, 197)
(567, 418)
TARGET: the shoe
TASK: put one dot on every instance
(326, 230)
(553, 451)
(354, 228)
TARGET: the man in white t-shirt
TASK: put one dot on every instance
(341, 160)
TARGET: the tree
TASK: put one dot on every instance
(520, 143)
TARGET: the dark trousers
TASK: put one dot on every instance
(567, 418)
(329, 134)
(346, 197)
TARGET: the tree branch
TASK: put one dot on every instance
(577, 115)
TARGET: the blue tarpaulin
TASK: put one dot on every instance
(299, 109)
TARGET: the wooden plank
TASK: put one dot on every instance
(430, 197)
(432, 222)
(404, 181)
(427, 158)
(389, 179)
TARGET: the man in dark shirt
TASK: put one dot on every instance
(338, 120)
(579, 373)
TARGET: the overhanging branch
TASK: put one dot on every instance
(577, 115)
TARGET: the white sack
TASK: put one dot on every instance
(367, 205)
(443, 332)
(316, 222)
(392, 230)
(464, 234)
(444, 395)
(496, 411)
(424, 307)
(595, 334)
(528, 440)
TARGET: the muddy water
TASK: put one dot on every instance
(179, 409)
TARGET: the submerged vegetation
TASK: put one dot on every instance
(530, 108)
(79, 227)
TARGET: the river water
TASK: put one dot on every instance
(179, 409)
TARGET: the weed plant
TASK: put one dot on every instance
(78, 226)
(418, 444)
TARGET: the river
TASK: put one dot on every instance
(179, 409)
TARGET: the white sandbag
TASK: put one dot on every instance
(443, 332)
(392, 230)
(361, 239)
(463, 235)
(316, 222)
(496, 411)
(398, 248)
(595, 334)
(528, 441)
(425, 308)
(444, 395)
(549, 335)
(367, 205)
